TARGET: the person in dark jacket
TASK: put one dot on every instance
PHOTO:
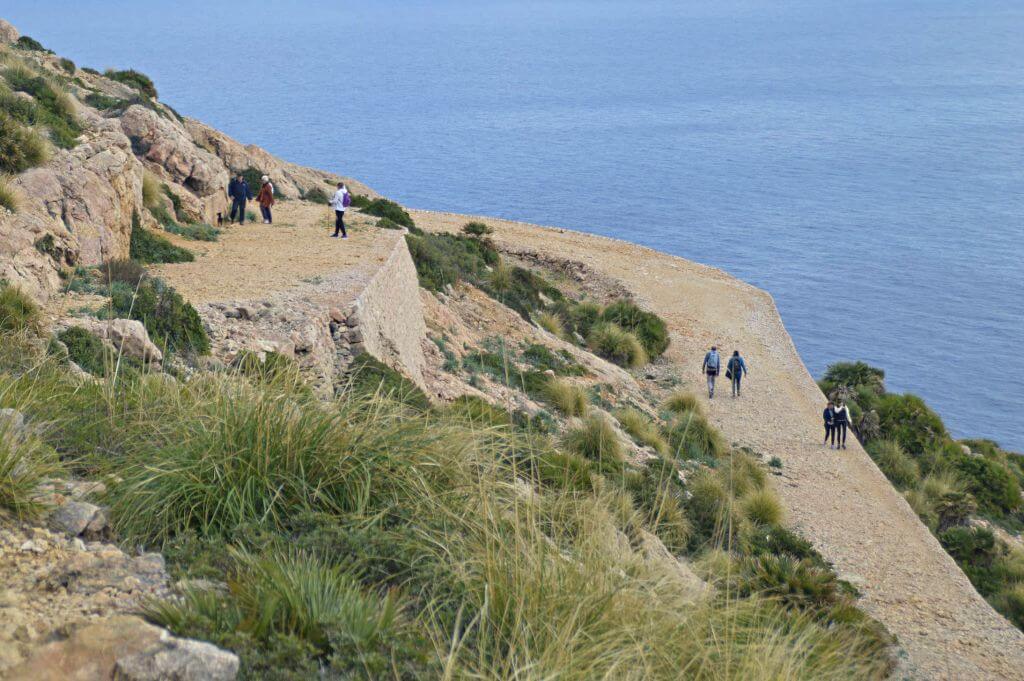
(829, 415)
(266, 199)
(735, 370)
(712, 363)
(239, 192)
(842, 422)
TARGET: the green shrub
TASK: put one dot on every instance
(147, 247)
(360, 202)
(616, 345)
(976, 551)
(477, 229)
(443, 259)
(370, 376)
(691, 437)
(27, 43)
(649, 328)
(18, 312)
(908, 420)
(642, 429)
(794, 582)
(762, 507)
(98, 100)
(134, 79)
(596, 440)
(197, 231)
(67, 65)
(990, 482)
(86, 350)
(91, 71)
(9, 198)
(316, 195)
(580, 317)
(128, 272)
(21, 148)
(25, 463)
(541, 357)
(171, 322)
(385, 223)
(681, 402)
(854, 375)
(901, 470)
(384, 208)
(1010, 603)
(52, 108)
(568, 398)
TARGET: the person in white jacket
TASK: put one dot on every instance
(339, 202)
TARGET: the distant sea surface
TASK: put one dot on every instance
(861, 160)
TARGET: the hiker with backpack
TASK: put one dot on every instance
(842, 422)
(829, 415)
(339, 202)
(266, 200)
(734, 371)
(710, 367)
(239, 192)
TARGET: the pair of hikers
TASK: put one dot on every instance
(239, 192)
(734, 370)
(837, 421)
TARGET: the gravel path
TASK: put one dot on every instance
(838, 500)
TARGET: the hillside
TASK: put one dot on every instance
(446, 447)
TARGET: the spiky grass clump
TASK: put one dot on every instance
(649, 328)
(690, 436)
(21, 148)
(25, 463)
(151, 192)
(568, 398)
(762, 507)
(18, 312)
(681, 402)
(897, 465)
(551, 323)
(617, 345)
(9, 197)
(596, 440)
(642, 429)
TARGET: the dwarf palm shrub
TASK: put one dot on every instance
(614, 344)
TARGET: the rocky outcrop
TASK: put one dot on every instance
(167, 150)
(126, 336)
(290, 180)
(8, 34)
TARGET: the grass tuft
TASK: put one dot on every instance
(616, 345)
(568, 398)
(682, 402)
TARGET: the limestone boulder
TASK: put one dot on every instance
(8, 34)
(127, 336)
(178, 659)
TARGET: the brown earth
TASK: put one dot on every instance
(838, 500)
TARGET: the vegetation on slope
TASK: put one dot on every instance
(946, 482)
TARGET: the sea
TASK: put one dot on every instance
(862, 160)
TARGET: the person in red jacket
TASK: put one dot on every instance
(266, 199)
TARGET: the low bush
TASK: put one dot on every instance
(18, 312)
(28, 43)
(855, 375)
(98, 100)
(9, 198)
(901, 470)
(172, 323)
(542, 357)
(384, 208)
(908, 420)
(581, 317)
(21, 148)
(86, 350)
(691, 437)
(552, 323)
(369, 376)
(477, 229)
(596, 440)
(616, 345)
(148, 247)
(52, 107)
(134, 79)
(443, 259)
(385, 223)
(127, 272)
(1010, 603)
(762, 507)
(67, 65)
(568, 398)
(359, 201)
(642, 429)
(991, 482)
(196, 231)
(681, 402)
(649, 328)
(316, 195)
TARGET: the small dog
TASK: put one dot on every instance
(220, 219)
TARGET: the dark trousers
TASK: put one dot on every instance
(238, 206)
(840, 433)
(265, 210)
(339, 223)
(736, 378)
(830, 432)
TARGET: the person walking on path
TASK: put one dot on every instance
(829, 415)
(266, 200)
(842, 422)
(239, 191)
(734, 371)
(710, 367)
(339, 202)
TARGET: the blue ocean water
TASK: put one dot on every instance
(863, 160)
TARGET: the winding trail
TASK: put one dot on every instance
(838, 500)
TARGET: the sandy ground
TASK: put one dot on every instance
(838, 500)
(251, 259)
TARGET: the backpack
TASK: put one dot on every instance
(713, 362)
(346, 200)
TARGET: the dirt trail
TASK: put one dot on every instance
(838, 500)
